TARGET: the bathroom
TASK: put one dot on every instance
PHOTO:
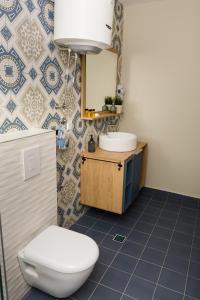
(156, 251)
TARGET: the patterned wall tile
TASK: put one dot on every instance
(11, 9)
(67, 100)
(46, 15)
(5, 119)
(65, 157)
(51, 120)
(52, 75)
(12, 76)
(34, 76)
(34, 105)
(9, 124)
(68, 191)
(30, 40)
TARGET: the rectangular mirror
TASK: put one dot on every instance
(99, 79)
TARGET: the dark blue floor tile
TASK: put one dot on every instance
(127, 298)
(162, 233)
(95, 213)
(140, 289)
(144, 227)
(167, 214)
(115, 279)
(98, 272)
(87, 221)
(188, 212)
(96, 235)
(156, 204)
(195, 255)
(176, 201)
(190, 202)
(186, 219)
(194, 270)
(176, 264)
(180, 251)
(110, 218)
(132, 249)
(133, 214)
(165, 294)
(184, 228)
(152, 210)
(181, 238)
(148, 192)
(126, 222)
(85, 291)
(138, 237)
(147, 271)
(173, 207)
(149, 219)
(79, 228)
(140, 206)
(196, 243)
(193, 287)
(175, 197)
(158, 244)
(143, 199)
(160, 195)
(189, 298)
(37, 295)
(172, 280)
(124, 263)
(197, 232)
(116, 229)
(153, 256)
(102, 226)
(166, 223)
(104, 293)
(106, 255)
(109, 243)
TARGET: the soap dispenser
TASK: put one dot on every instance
(91, 144)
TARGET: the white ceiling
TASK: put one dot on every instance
(132, 2)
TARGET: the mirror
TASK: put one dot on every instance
(99, 79)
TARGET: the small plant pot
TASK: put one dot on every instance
(109, 106)
(105, 108)
(113, 109)
(119, 109)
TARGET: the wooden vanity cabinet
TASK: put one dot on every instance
(111, 180)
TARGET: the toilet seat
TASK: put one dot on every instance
(62, 250)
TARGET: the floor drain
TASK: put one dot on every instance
(119, 238)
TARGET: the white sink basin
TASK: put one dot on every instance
(118, 141)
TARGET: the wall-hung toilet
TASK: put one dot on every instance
(58, 261)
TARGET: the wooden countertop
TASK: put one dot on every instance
(116, 157)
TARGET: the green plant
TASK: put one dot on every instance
(117, 100)
(108, 100)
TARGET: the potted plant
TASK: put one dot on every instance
(108, 102)
(118, 103)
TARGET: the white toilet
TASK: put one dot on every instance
(58, 261)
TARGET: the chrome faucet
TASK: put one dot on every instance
(105, 129)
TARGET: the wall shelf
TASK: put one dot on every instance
(101, 115)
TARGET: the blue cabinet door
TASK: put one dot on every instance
(132, 175)
(137, 169)
(128, 183)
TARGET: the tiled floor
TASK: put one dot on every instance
(160, 258)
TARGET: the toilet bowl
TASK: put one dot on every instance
(58, 261)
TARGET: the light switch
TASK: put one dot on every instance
(31, 161)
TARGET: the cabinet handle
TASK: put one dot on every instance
(120, 166)
(83, 160)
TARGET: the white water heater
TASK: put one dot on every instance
(84, 25)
